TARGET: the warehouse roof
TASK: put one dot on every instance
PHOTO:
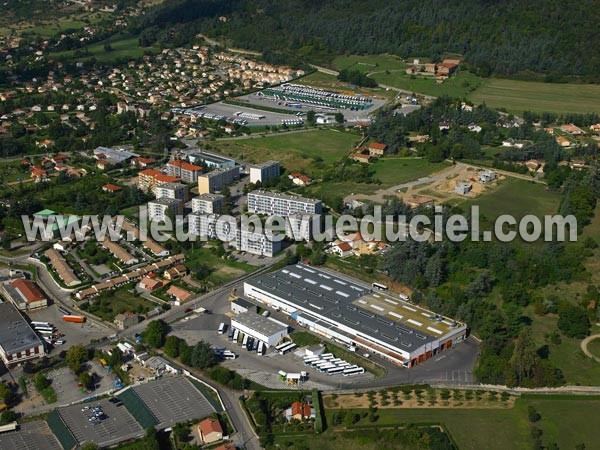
(16, 335)
(258, 323)
(332, 299)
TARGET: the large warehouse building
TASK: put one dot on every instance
(350, 312)
(18, 341)
(262, 328)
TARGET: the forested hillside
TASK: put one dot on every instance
(501, 37)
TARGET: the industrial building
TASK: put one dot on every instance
(276, 203)
(239, 306)
(217, 179)
(18, 341)
(211, 160)
(267, 330)
(349, 311)
(263, 172)
(207, 204)
(24, 294)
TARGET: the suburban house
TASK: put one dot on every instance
(299, 179)
(377, 149)
(150, 283)
(341, 249)
(300, 411)
(485, 176)
(463, 188)
(175, 272)
(112, 188)
(572, 129)
(361, 157)
(210, 430)
(179, 294)
(126, 320)
(143, 162)
(563, 141)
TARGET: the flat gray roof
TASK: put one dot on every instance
(258, 323)
(283, 196)
(333, 299)
(211, 157)
(16, 335)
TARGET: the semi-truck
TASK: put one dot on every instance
(73, 319)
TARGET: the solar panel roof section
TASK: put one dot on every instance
(340, 305)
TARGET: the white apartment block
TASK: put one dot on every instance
(209, 226)
(275, 203)
(261, 173)
(207, 204)
(177, 191)
(158, 209)
(217, 179)
(301, 226)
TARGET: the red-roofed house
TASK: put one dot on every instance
(111, 188)
(143, 162)
(210, 431)
(299, 179)
(24, 294)
(342, 249)
(361, 157)
(38, 174)
(300, 411)
(226, 447)
(572, 129)
(179, 294)
(377, 149)
(186, 171)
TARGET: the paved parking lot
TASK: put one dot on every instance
(30, 436)
(75, 333)
(118, 426)
(172, 400)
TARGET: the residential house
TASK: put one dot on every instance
(361, 158)
(300, 411)
(126, 320)
(377, 149)
(341, 249)
(179, 294)
(111, 188)
(572, 129)
(175, 272)
(210, 430)
(299, 179)
(463, 188)
(563, 141)
(150, 283)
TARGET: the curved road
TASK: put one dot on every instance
(584, 346)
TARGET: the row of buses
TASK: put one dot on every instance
(329, 364)
(246, 341)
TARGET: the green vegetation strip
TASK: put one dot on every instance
(138, 409)
(60, 430)
(206, 394)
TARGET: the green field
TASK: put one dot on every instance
(518, 96)
(565, 420)
(222, 270)
(299, 151)
(119, 301)
(369, 63)
(123, 46)
(460, 85)
(594, 347)
(11, 171)
(533, 198)
(326, 81)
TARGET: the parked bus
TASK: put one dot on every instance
(8, 427)
(309, 361)
(327, 356)
(280, 346)
(230, 334)
(335, 371)
(287, 348)
(250, 343)
(325, 368)
(66, 312)
(45, 329)
(236, 335)
(261, 348)
(74, 319)
(221, 329)
(229, 355)
(245, 340)
(255, 345)
(356, 371)
(379, 287)
(43, 324)
(46, 332)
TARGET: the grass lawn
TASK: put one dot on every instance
(119, 301)
(296, 151)
(566, 420)
(326, 81)
(518, 96)
(459, 85)
(533, 198)
(369, 63)
(11, 171)
(594, 347)
(222, 270)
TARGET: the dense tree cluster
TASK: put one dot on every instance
(503, 38)
(357, 78)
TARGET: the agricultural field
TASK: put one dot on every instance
(565, 420)
(118, 301)
(518, 96)
(301, 151)
(369, 63)
(11, 172)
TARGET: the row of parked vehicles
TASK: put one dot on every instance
(248, 342)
